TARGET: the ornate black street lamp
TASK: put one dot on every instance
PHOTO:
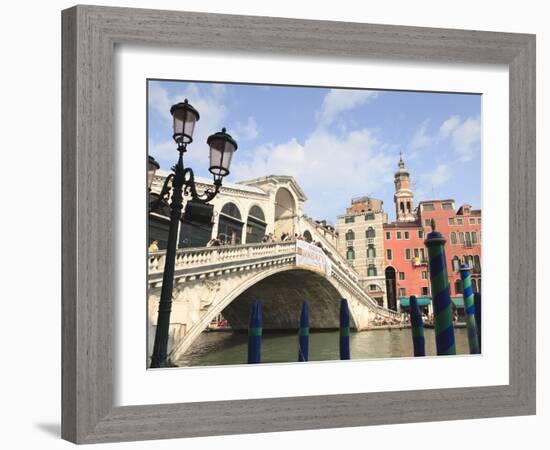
(182, 180)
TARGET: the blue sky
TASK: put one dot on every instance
(337, 143)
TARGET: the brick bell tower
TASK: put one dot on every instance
(403, 197)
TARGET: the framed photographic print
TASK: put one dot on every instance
(268, 230)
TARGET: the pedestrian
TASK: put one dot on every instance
(154, 246)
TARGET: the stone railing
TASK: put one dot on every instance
(205, 256)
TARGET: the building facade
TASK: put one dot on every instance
(405, 255)
(361, 242)
(462, 229)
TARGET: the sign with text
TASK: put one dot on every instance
(312, 257)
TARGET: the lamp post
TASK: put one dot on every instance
(182, 181)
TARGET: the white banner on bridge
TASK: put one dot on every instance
(311, 257)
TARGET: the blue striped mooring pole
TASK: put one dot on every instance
(344, 329)
(469, 309)
(255, 334)
(477, 305)
(441, 294)
(417, 328)
(303, 334)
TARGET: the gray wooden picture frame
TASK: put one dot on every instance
(90, 34)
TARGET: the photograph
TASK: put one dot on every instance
(288, 224)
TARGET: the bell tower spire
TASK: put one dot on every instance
(403, 198)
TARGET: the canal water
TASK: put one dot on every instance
(221, 348)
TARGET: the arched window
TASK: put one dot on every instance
(461, 237)
(408, 206)
(371, 271)
(231, 210)
(350, 235)
(456, 264)
(350, 254)
(474, 285)
(371, 251)
(458, 287)
(307, 236)
(474, 237)
(453, 238)
(230, 225)
(255, 225)
(370, 232)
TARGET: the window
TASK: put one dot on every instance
(350, 254)
(459, 221)
(453, 238)
(420, 234)
(422, 254)
(373, 287)
(388, 235)
(389, 255)
(425, 290)
(447, 206)
(371, 251)
(458, 287)
(474, 285)
(350, 235)
(461, 237)
(474, 237)
(398, 235)
(451, 220)
(424, 274)
(468, 239)
(401, 275)
(427, 222)
(369, 216)
(350, 219)
(402, 292)
(371, 270)
(370, 232)
(407, 253)
(416, 253)
(478, 220)
(472, 221)
(477, 264)
(428, 207)
(456, 264)
(406, 235)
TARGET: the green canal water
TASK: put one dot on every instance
(222, 348)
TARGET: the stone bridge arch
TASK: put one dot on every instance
(281, 290)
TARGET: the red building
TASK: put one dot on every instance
(405, 255)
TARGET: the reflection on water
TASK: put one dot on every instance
(212, 349)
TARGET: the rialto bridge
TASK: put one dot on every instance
(226, 279)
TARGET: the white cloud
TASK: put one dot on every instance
(421, 138)
(330, 169)
(340, 100)
(440, 175)
(464, 136)
(247, 131)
